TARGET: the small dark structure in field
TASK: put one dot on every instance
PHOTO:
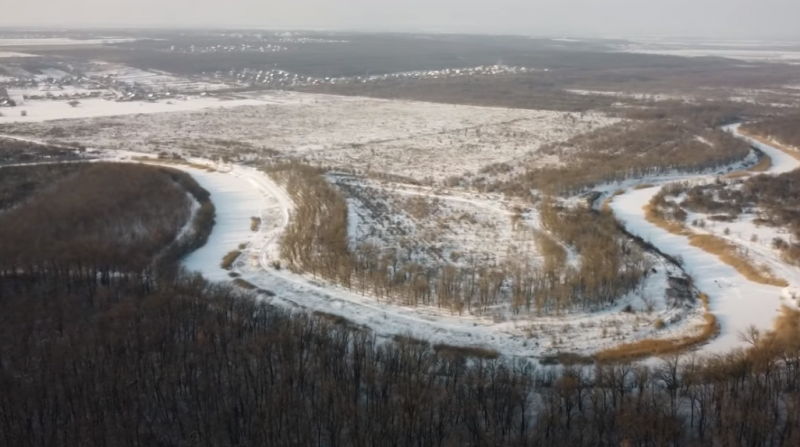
(5, 100)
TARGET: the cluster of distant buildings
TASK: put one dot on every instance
(290, 39)
(276, 78)
(242, 48)
(15, 91)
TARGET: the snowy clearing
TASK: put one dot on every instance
(47, 110)
(152, 80)
(751, 51)
(7, 54)
(61, 41)
(412, 139)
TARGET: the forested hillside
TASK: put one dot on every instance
(95, 214)
(186, 363)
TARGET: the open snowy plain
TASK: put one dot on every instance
(411, 139)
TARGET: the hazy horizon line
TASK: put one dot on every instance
(408, 31)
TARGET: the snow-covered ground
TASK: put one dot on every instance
(737, 302)
(781, 161)
(153, 80)
(782, 52)
(438, 226)
(245, 192)
(236, 201)
(412, 139)
(316, 126)
(6, 54)
(638, 96)
(49, 110)
(61, 41)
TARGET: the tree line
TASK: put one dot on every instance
(784, 129)
(624, 151)
(316, 242)
(20, 151)
(100, 214)
(185, 362)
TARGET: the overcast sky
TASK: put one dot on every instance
(608, 18)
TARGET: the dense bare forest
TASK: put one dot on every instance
(19, 151)
(628, 150)
(611, 264)
(785, 129)
(508, 91)
(316, 242)
(96, 214)
(19, 182)
(778, 201)
(182, 362)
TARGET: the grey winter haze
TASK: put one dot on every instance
(698, 18)
(399, 222)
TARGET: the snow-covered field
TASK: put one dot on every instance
(5, 54)
(438, 226)
(638, 96)
(412, 139)
(60, 41)
(153, 80)
(775, 52)
(54, 112)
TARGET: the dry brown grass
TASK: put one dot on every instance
(784, 338)
(644, 186)
(763, 165)
(671, 226)
(729, 254)
(229, 259)
(786, 330)
(247, 285)
(736, 174)
(705, 300)
(255, 223)
(607, 203)
(338, 320)
(656, 347)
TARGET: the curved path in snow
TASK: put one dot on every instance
(737, 302)
(244, 192)
(258, 194)
(239, 194)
